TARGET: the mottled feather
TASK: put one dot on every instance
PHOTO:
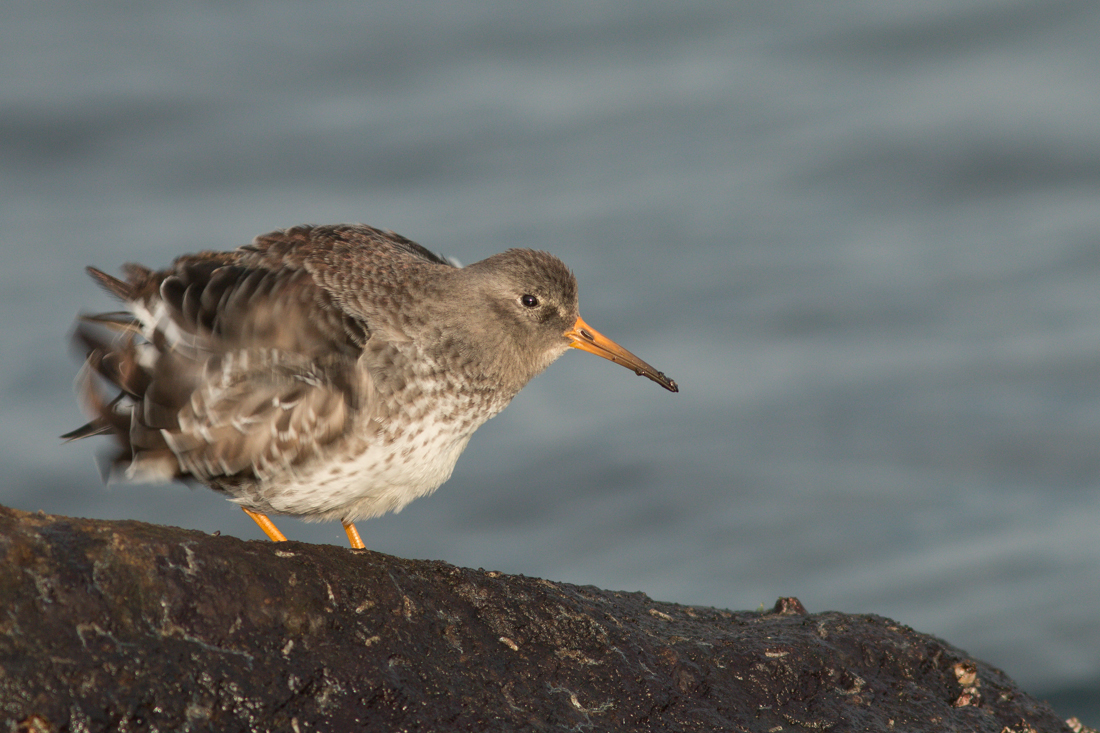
(331, 372)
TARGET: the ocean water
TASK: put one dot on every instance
(863, 237)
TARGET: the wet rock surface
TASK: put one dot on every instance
(135, 627)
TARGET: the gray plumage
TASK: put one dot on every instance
(329, 372)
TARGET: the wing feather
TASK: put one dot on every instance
(226, 371)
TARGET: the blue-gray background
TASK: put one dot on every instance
(864, 237)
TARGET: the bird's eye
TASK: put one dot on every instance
(529, 301)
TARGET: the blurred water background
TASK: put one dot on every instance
(863, 237)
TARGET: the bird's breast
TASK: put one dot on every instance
(404, 449)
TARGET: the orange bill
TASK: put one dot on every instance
(584, 337)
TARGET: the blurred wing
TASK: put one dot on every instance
(226, 373)
(258, 413)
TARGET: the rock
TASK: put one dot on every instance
(134, 627)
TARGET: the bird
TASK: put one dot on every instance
(325, 372)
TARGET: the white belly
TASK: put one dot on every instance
(383, 478)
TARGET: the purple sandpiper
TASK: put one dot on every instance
(323, 372)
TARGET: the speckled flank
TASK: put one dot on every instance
(403, 456)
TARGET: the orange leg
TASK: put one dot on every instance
(353, 536)
(266, 525)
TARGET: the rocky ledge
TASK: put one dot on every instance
(134, 627)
